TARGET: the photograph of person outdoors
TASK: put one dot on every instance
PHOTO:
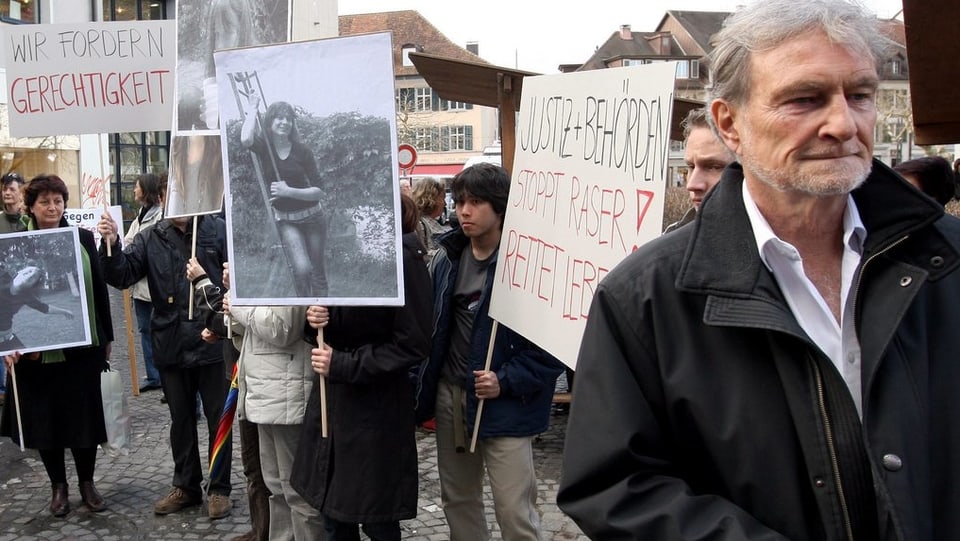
(59, 390)
(295, 190)
(205, 26)
(196, 176)
(19, 289)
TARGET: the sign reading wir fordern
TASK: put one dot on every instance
(587, 189)
(89, 77)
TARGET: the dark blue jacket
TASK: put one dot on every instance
(527, 374)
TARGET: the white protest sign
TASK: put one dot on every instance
(587, 189)
(65, 79)
(87, 218)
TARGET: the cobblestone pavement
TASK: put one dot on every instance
(131, 483)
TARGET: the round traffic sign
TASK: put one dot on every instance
(407, 156)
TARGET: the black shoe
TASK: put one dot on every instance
(149, 387)
(91, 497)
(163, 399)
(59, 502)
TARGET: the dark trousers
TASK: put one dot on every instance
(350, 531)
(258, 495)
(53, 460)
(180, 386)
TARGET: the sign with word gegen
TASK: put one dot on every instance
(66, 79)
(587, 189)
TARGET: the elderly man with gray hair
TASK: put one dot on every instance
(786, 367)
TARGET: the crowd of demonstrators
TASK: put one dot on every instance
(706, 156)
(188, 365)
(58, 391)
(365, 356)
(430, 198)
(787, 368)
(148, 192)
(517, 388)
(932, 175)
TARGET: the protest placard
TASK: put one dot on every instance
(65, 79)
(587, 189)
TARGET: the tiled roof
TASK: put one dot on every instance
(408, 28)
(641, 44)
(701, 25)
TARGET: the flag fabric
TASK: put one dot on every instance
(225, 425)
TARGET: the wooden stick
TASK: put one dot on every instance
(16, 403)
(323, 392)
(132, 353)
(486, 368)
(106, 209)
(193, 255)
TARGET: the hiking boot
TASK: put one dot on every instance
(249, 536)
(218, 506)
(176, 500)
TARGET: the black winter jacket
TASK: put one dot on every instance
(161, 254)
(366, 469)
(703, 411)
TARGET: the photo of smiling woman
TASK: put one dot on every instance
(295, 190)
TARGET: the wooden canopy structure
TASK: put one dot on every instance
(934, 62)
(496, 86)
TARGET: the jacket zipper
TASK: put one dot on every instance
(856, 289)
(831, 448)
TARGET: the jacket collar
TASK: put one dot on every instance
(721, 255)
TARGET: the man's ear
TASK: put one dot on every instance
(724, 116)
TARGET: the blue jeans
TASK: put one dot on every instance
(144, 311)
(3, 376)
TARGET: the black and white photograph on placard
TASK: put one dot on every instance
(205, 26)
(312, 196)
(195, 176)
(42, 298)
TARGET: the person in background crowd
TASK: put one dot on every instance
(12, 203)
(363, 475)
(274, 362)
(209, 301)
(517, 389)
(932, 175)
(188, 365)
(429, 197)
(706, 157)
(59, 390)
(787, 369)
(147, 193)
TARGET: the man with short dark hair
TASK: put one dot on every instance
(12, 203)
(787, 367)
(517, 389)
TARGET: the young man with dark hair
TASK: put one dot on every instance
(517, 390)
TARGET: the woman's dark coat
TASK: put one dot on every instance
(60, 403)
(366, 469)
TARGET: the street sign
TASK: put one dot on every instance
(406, 156)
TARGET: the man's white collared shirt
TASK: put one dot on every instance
(838, 341)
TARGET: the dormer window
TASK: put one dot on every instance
(405, 53)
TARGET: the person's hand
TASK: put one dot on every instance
(320, 359)
(194, 269)
(225, 305)
(318, 316)
(10, 360)
(109, 349)
(107, 228)
(208, 336)
(486, 384)
(279, 189)
(226, 274)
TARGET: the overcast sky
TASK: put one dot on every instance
(539, 35)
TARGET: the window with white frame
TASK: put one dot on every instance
(405, 54)
(423, 100)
